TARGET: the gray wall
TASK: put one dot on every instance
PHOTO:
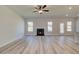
(11, 26)
(42, 23)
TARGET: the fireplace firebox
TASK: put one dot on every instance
(40, 32)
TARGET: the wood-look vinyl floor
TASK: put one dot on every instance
(44, 45)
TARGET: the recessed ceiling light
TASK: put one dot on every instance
(70, 7)
(66, 14)
(78, 15)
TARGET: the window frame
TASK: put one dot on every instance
(69, 26)
(30, 26)
(50, 24)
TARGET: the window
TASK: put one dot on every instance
(61, 27)
(49, 26)
(69, 26)
(30, 26)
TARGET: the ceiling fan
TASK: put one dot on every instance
(40, 9)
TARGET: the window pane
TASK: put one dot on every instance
(49, 26)
(30, 29)
(69, 29)
(69, 23)
(49, 29)
(30, 23)
(50, 23)
(69, 26)
(30, 26)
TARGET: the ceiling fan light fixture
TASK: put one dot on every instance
(41, 8)
(67, 15)
(40, 11)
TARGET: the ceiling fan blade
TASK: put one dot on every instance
(39, 7)
(35, 11)
(36, 8)
(46, 10)
(43, 6)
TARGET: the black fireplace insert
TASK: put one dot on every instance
(40, 32)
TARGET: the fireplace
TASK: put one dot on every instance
(40, 32)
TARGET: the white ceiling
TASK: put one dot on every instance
(26, 11)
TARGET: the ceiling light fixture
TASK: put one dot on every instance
(40, 11)
(66, 14)
(78, 15)
(70, 7)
